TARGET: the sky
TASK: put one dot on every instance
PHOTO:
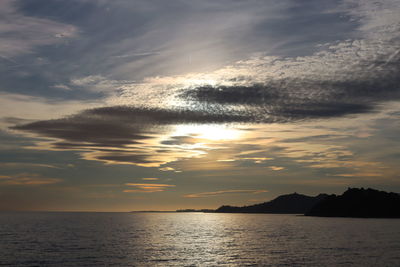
(162, 105)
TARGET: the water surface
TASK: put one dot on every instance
(195, 239)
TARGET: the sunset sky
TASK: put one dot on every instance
(160, 105)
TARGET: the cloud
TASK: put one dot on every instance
(147, 188)
(169, 39)
(26, 179)
(150, 179)
(165, 169)
(62, 87)
(20, 34)
(98, 83)
(342, 77)
(36, 108)
(18, 165)
(153, 137)
(223, 192)
(139, 54)
(348, 78)
(276, 168)
(99, 120)
(339, 78)
(125, 135)
(361, 174)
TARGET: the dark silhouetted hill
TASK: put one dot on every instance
(363, 203)
(292, 203)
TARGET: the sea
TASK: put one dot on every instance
(195, 239)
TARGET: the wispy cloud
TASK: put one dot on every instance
(340, 78)
(276, 168)
(138, 54)
(223, 192)
(98, 83)
(118, 134)
(27, 179)
(360, 174)
(62, 87)
(146, 188)
(26, 165)
(166, 169)
(19, 33)
(37, 108)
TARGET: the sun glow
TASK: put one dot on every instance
(207, 131)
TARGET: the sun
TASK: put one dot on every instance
(210, 132)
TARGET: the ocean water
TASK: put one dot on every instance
(195, 239)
